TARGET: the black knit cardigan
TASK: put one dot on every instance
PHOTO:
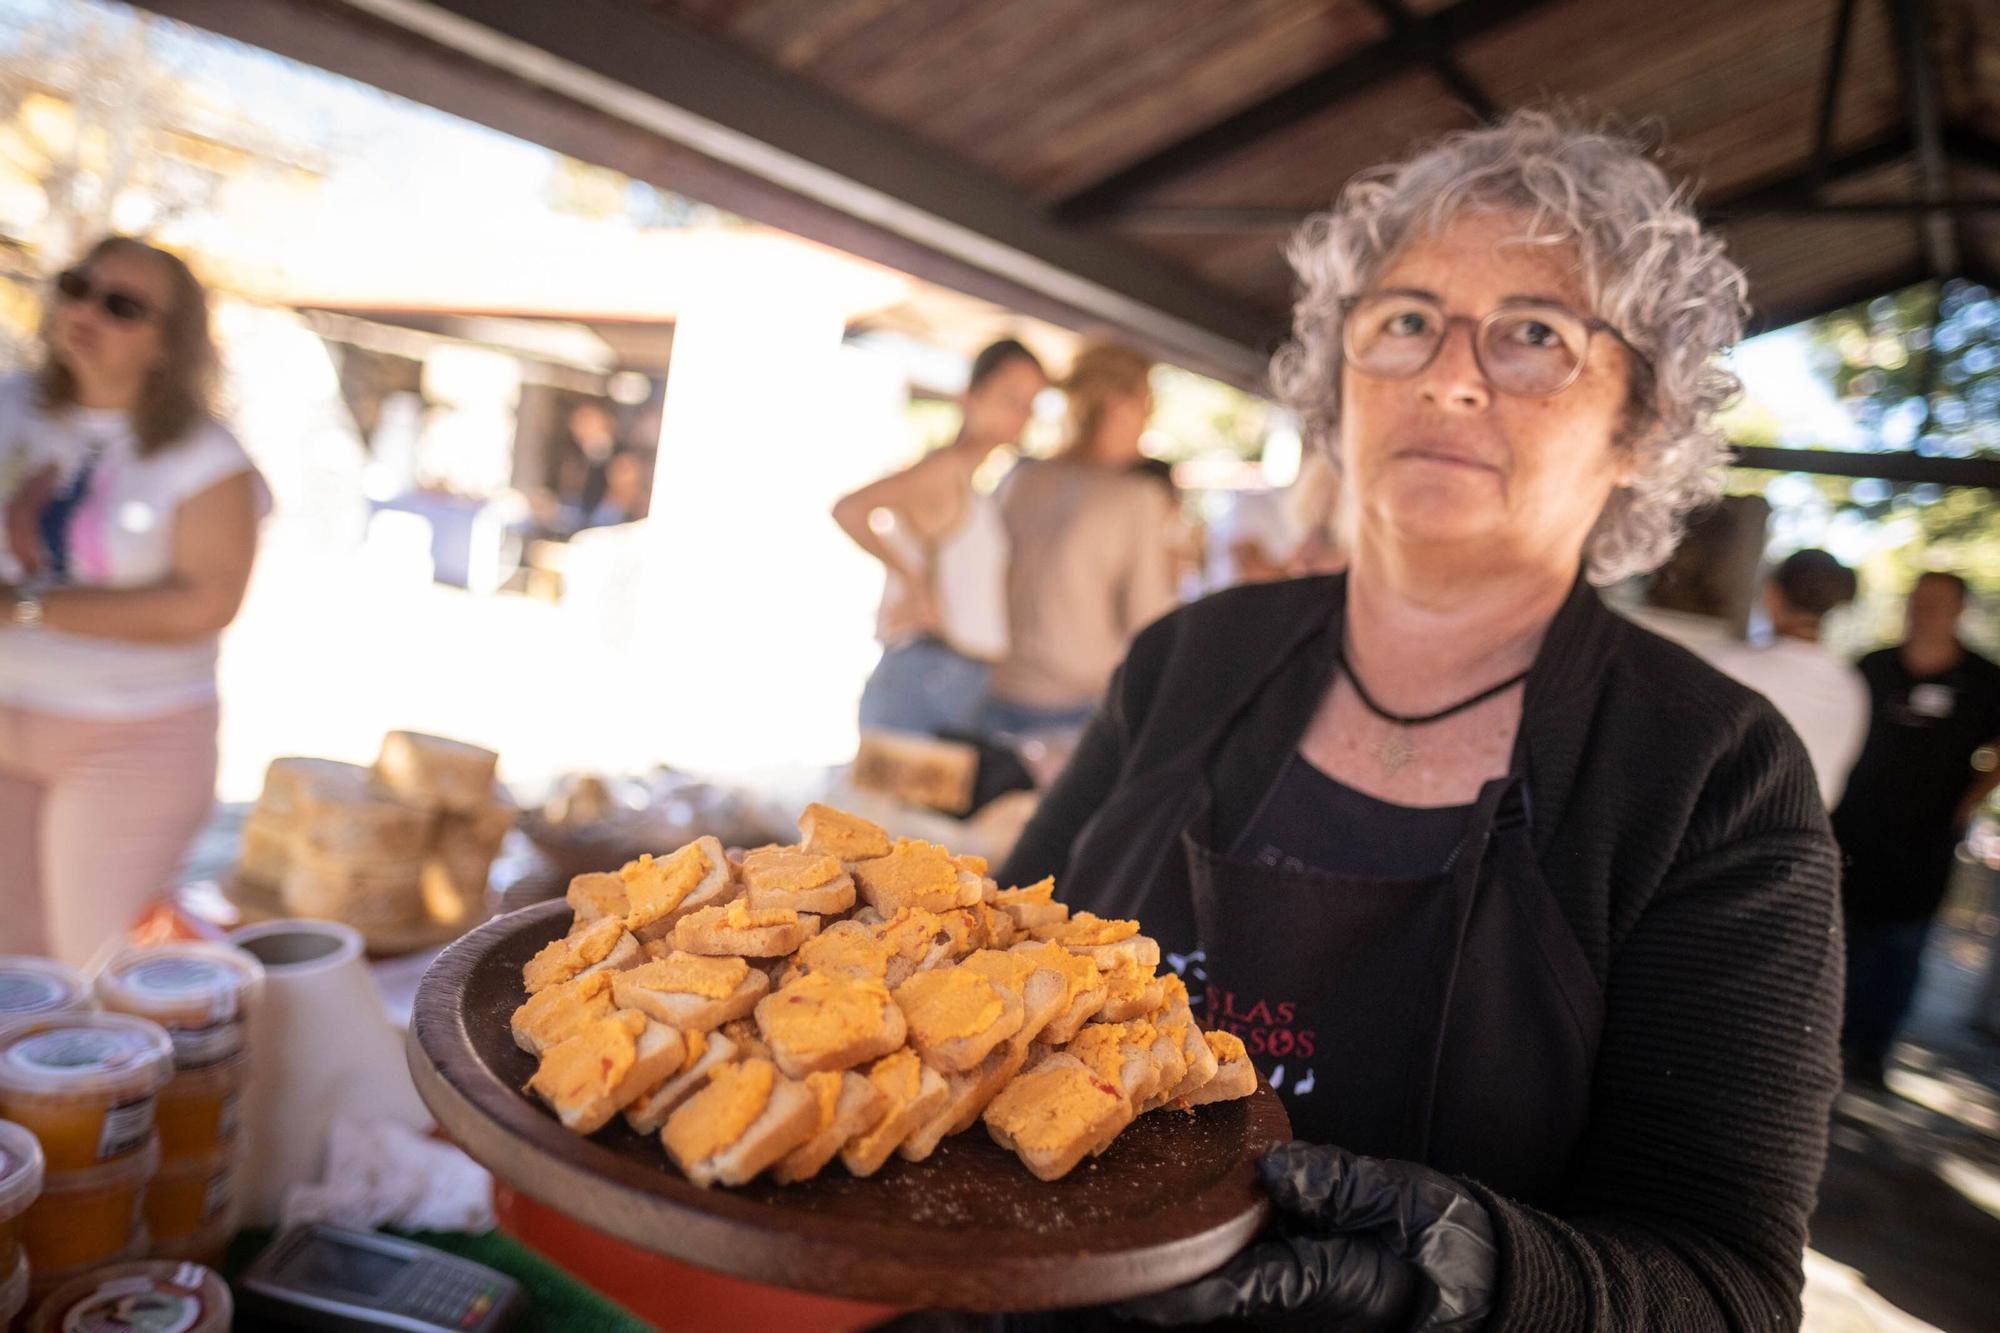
(1677, 821)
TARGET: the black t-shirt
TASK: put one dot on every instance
(1311, 821)
(1916, 763)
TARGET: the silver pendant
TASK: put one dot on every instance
(1395, 751)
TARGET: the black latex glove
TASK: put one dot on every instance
(1362, 1244)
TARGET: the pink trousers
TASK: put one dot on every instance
(95, 818)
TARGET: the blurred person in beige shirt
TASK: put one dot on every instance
(1092, 558)
(944, 550)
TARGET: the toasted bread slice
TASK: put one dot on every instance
(661, 891)
(802, 881)
(1053, 1114)
(692, 992)
(1132, 992)
(586, 1078)
(994, 928)
(957, 1017)
(1198, 1060)
(738, 931)
(966, 1096)
(596, 896)
(1032, 906)
(829, 1020)
(1234, 1077)
(1122, 1056)
(915, 874)
(921, 940)
(853, 1107)
(1044, 992)
(706, 1051)
(912, 1091)
(841, 835)
(845, 946)
(602, 946)
(1085, 991)
(558, 1012)
(1102, 940)
(744, 1120)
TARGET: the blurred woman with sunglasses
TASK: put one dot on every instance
(1528, 915)
(131, 524)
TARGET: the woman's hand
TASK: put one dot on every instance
(1363, 1244)
(23, 516)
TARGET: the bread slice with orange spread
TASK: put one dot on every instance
(595, 896)
(840, 835)
(693, 992)
(705, 1052)
(1053, 1114)
(966, 1095)
(739, 931)
(587, 1077)
(660, 891)
(558, 1012)
(800, 880)
(601, 946)
(845, 946)
(957, 1017)
(1131, 991)
(1033, 906)
(1084, 987)
(915, 874)
(746, 1118)
(912, 1091)
(1103, 940)
(1234, 1076)
(829, 1020)
(849, 1105)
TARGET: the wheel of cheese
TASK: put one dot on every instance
(358, 828)
(358, 893)
(287, 781)
(435, 772)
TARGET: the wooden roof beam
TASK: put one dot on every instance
(1416, 45)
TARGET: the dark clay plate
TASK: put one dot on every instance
(969, 1229)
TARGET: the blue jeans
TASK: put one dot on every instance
(925, 687)
(1003, 717)
(1884, 961)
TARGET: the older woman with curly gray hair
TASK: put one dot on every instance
(1527, 915)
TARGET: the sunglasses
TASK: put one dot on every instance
(1531, 348)
(75, 285)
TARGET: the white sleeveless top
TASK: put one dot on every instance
(119, 535)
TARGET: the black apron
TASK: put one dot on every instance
(1450, 1019)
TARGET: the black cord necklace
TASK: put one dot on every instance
(1396, 750)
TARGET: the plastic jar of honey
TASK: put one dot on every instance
(20, 1186)
(83, 1084)
(200, 993)
(191, 1194)
(187, 1298)
(199, 1110)
(88, 1216)
(31, 986)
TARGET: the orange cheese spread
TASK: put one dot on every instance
(595, 1060)
(1226, 1045)
(946, 1004)
(717, 1116)
(839, 834)
(1041, 891)
(739, 915)
(914, 931)
(915, 874)
(562, 959)
(789, 870)
(1079, 972)
(559, 1011)
(899, 1076)
(1103, 1047)
(970, 864)
(655, 888)
(845, 948)
(598, 895)
(692, 974)
(822, 1012)
(1046, 1109)
(697, 1046)
(1000, 967)
(1086, 930)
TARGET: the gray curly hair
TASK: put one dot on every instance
(1648, 268)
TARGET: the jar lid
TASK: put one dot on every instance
(31, 986)
(184, 982)
(131, 1170)
(159, 1295)
(84, 1055)
(20, 1168)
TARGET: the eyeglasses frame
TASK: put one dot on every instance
(1591, 323)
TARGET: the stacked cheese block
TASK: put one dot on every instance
(854, 997)
(412, 838)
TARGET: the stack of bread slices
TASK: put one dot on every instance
(851, 997)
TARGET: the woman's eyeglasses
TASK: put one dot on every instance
(75, 285)
(1530, 348)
